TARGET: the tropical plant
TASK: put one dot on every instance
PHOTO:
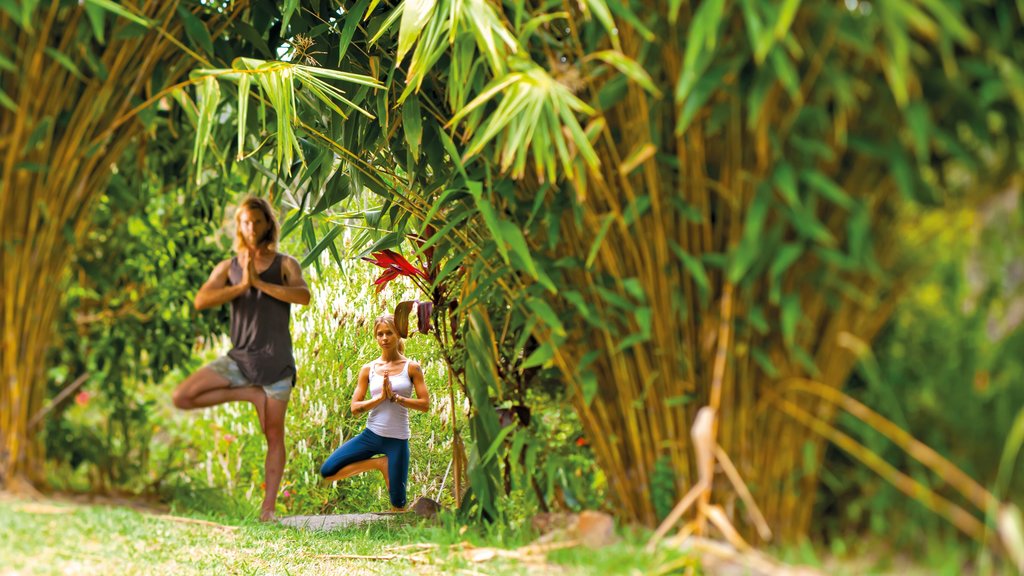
(685, 204)
(127, 316)
(80, 83)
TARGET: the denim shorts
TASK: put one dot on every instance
(228, 368)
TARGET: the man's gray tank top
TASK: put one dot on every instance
(261, 340)
(389, 419)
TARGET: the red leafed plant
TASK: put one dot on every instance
(394, 265)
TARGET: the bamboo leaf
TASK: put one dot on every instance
(827, 188)
(606, 223)
(490, 218)
(414, 17)
(243, 112)
(629, 67)
(7, 102)
(64, 61)
(703, 33)
(195, 29)
(696, 270)
(412, 124)
(539, 357)
(785, 181)
(743, 256)
(765, 363)
(790, 318)
(787, 13)
(290, 6)
(96, 16)
(548, 315)
(352, 19)
(324, 242)
(115, 8)
(207, 99)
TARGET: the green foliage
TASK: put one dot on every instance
(128, 320)
(947, 370)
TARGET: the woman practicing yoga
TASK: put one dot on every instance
(390, 380)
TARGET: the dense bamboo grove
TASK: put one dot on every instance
(686, 205)
(678, 205)
(74, 80)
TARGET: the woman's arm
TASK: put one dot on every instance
(360, 405)
(422, 400)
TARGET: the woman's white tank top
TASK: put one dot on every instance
(389, 419)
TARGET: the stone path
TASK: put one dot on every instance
(332, 521)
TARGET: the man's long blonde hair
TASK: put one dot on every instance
(269, 239)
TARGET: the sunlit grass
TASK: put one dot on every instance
(60, 537)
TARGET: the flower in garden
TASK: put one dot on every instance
(82, 398)
(394, 265)
(229, 438)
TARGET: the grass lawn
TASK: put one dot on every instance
(65, 537)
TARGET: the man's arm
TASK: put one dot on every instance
(294, 289)
(216, 290)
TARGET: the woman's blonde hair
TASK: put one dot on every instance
(389, 320)
(270, 237)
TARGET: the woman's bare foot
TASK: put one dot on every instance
(267, 516)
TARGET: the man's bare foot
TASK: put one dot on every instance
(267, 516)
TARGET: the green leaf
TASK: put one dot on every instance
(246, 31)
(115, 8)
(703, 33)
(412, 124)
(606, 223)
(489, 216)
(324, 242)
(765, 363)
(744, 255)
(415, 15)
(64, 61)
(290, 6)
(629, 67)
(785, 180)
(513, 236)
(539, 357)
(702, 88)
(352, 18)
(791, 312)
(786, 73)
(786, 15)
(337, 189)
(544, 311)
(195, 29)
(827, 188)
(7, 102)
(96, 20)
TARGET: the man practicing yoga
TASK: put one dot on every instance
(261, 284)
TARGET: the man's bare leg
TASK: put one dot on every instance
(274, 465)
(380, 464)
(207, 388)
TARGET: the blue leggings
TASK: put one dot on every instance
(367, 445)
